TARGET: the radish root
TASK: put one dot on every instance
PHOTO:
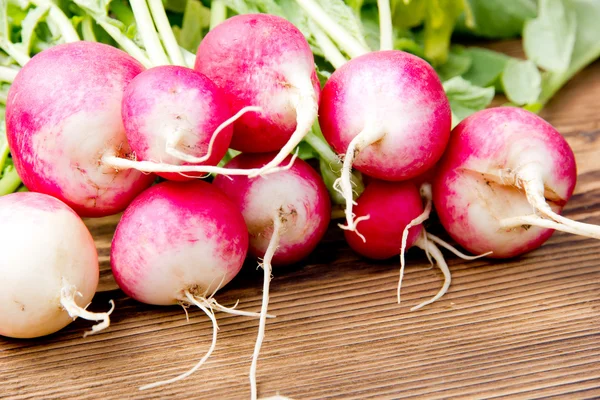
(529, 179)
(431, 248)
(424, 216)
(208, 305)
(343, 185)
(175, 139)
(204, 306)
(306, 106)
(231, 310)
(118, 163)
(67, 300)
(453, 249)
(267, 267)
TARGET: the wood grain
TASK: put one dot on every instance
(517, 329)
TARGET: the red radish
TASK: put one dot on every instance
(263, 60)
(49, 267)
(504, 179)
(392, 207)
(178, 243)
(287, 214)
(174, 115)
(388, 113)
(63, 114)
(396, 215)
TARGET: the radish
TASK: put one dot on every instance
(393, 215)
(391, 212)
(178, 243)
(174, 115)
(49, 267)
(503, 181)
(286, 213)
(63, 114)
(263, 60)
(394, 128)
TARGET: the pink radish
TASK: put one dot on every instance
(63, 114)
(503, 181)
(178, 243)
(175, 115)
(49, 267)
(388, 113)
(263, 60)
(287, 214)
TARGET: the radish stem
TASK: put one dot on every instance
(218, 13)
(8, 74)
(331, 52)
(166, 32)
(68, 33)
(386, 32)
(87, 30)
(127, 44)
(145, 26)
(340, 35)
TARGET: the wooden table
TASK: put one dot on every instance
(524, 328)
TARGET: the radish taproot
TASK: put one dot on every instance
(178, 243)
(63, 115)
(394, 128)
(287, 214)
(503, 181)
(49, 267)
(263, 60)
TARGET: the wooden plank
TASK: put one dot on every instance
(513, 329)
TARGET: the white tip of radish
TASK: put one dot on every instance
(67, 300)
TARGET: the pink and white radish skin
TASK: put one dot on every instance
(287, 214)
(388, 113)
(177, 122)
(503, 181)
(49, 267)
(171, 112)
(263, 60)
(178, 243)
(63, 115)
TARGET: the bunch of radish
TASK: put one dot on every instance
(91, 140)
